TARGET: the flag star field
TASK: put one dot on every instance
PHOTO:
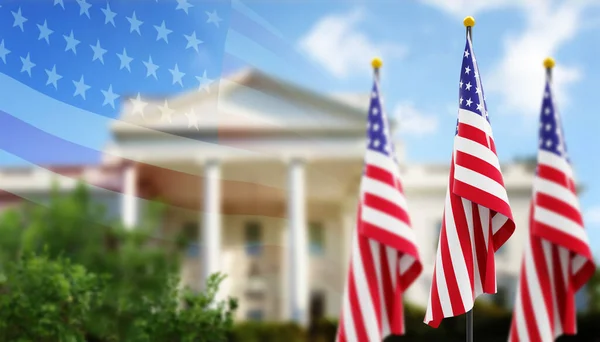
(92, 55)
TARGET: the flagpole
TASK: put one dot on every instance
(469, 22)
(376, 63)
(549, 64)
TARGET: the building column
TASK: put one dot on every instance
(211, 221)
(298, 244)
(348, 226)
(129, 198)
(285, 276)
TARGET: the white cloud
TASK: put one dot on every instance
(342, 48)
(462, 8)
(592, 215)
(412, 121)
(519, 75)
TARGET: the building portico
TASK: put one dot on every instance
(252, 219)
(261, 183)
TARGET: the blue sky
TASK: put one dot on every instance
(420, 42)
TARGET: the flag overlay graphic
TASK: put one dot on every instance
(477, 215)
(68, 67)
(92, 55)
(385, 259)
(557, 260)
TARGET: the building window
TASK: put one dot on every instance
(317, 306)
(316, 237)
(255, 315)
(255, 283)
(253, 231)
(191, 234)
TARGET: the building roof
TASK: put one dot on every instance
(248, 100)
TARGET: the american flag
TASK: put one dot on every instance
(477, 215)
(557, 260)
(385, 259)
(68, 68)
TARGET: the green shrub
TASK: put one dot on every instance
(182, 316)
(140, 299)
(593, 292)
(267, 332)
(46, 300)
(491, 324)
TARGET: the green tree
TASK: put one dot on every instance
(140, 272)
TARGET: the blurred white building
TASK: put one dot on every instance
(266, 189)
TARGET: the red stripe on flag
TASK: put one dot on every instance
(385, 206)
(555, 175)
(389, 296)
(480, 166)
(383, 176)
(560, 207)
(357, 317)
(528, 311)
(474, 134)
(540, 263)
(458, 306)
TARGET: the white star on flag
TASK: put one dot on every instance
(98, 52)
(71, 43)
(19, 19)
(204, 82)
(213, 17)
(177, 75)
(151, 68)
(125, 60)
(192, 119)
(53, 77)
(45, 32)
(27, 65)
(162, 32)
(109, 15)
(80, 88)
(183, 5)
(109, 96)
(84, 8)
(138, 105)
(193, 42)
(166, 112)
(3, 51)
(135, 23)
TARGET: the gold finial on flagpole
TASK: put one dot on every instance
(469, 21)
(549, 63)
(376, 63)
